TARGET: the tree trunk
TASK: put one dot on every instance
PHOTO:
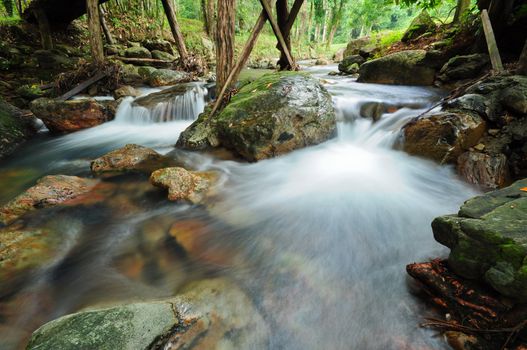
(43, 26)
(282, 13)
(207, 7)
(461, 8)
(170, 12)
(94, 27)
(522, 62)
(225, 25)
(495, 58)
(105, 29)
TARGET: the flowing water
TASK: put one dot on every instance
(318, 238)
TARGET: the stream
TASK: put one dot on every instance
(318, 238)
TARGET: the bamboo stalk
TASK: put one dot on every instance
(494, 53)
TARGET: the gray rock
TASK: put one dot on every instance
(137, 52)
(160, 55)
(163, 77)
(350, 64)
(420, 25)
(463, 67)
(14, 128)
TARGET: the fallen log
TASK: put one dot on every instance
(86, 84)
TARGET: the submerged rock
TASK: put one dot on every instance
(275, 114)
(14, 128)
(23, 249)
(421, 24)
(443, 136)
(130, 158)
(400, 68)
(183, 184)
(209, 314)
(488, 240)
(164, 77)
(49, 191)
(72, 115)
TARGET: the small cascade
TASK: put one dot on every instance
(179, 103)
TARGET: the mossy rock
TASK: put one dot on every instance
(14, 128)
(488, 239)
(420, 25)
(273, 115)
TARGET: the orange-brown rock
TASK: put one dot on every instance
(182, 184)
(488, 171)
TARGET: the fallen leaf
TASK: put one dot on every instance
(523, 189)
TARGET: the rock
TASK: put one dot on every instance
(72, 115)
(14, 128)
(160, 55)
(164, 77)
(350, 65)
(421, 24)
(443, 136)
(182, 184)
(469, 102)
(488, 240)
(275, 114)
(146, 71)
(355, 45)
(463, 67)
(130, 74)
(400, 68)
(488, 171)
(137, 52)
(114, 49)
(164, 96)
(49, 191)
(125, 91)
(53, 59)
(321, 62)
(339, 55)
(158, 45)
(29, 92)
(209, 314)
(24, 249)
(130, 158)
(514, 98)
(369, 51)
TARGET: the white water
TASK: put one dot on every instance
(320, 237)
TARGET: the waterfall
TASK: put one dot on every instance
(179, 103)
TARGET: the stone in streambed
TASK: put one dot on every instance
(443, 136)
(209, 314)
(125, 91)
(130, 158)
(182, 184)
(164, 77)
(351, 64)
(14, 128)
(275, 114)
(72, 115)
(488, 240)
(49, 191)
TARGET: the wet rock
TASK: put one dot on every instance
(24, 249)
(130, 158)
(421, 24)
(469, 102)
(443, 136)
(72, 115)
(158, 45)
(164, 96)
(49, 191)
(125, 91)
(274, 115)
(350, 64)
(400, 68)
(488, 171)
(15, 128)
(182, 184)
(487, 239)
(137, 52)
(164, 77)
(463, 67)
(209, 314)
(161, 55)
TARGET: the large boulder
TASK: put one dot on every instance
(164, 77)
(420, 25)
(463, 67)
(192, 186)
(130, 158)
(209, 314)
(488, 241)
(354, 46)
(351, 64)
(275, 114)
(14, 128)
(443, 136)
(400, 68)
(72, 115)
(49, 191)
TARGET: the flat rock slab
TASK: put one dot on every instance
(182, 184)
(488, 239)
(49, 191)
